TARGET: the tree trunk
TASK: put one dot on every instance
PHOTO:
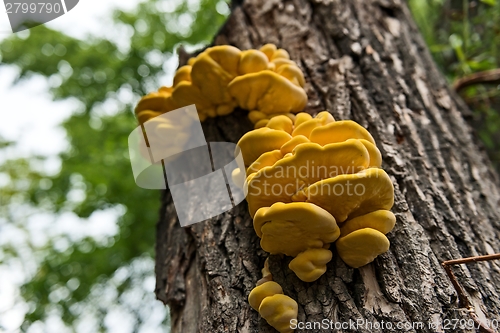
(363, 60)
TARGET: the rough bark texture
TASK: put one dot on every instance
(363, 60)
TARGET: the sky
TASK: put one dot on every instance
(30, 118)
(34, 109)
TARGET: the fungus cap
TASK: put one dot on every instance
(340, 131)
(381, 220)
(262, 291)
(304, 126)
(177, 129)
(267, 159)
(280, 53)
(294, 227)
(362, 246)
(351, 195)
(301, 118)
(375, 156)
(261, 123)
(212, 71)
(268, 50)
(254, 143)
(294, 142)
(143, 116)
(255, 116)
(310, 264)
(292, 72)
(238, 177)
(182, 74)
(307, 164)
(158, 101)
(268, 92)
(186, 93)
(278, 310)
(252, 61)
(282, 123)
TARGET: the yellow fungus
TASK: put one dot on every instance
(351, 195)
(310, 264)
(294, 227)
(262, 291)
(362, 246)
(267, 92)
(278, 310)
(381, 220)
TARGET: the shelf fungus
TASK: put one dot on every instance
(292, 228)
(275, 307)
(154, 104)
(305, 166)
(311, 264)
(307, 176)
(265, 82)
(310, 182)
(363, 237)
(276, 90)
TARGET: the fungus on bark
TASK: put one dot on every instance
(275, 307)
(294, 228)
(342, 178)
(265, 82)
(307, 158)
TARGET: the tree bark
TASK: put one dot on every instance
(363, 60)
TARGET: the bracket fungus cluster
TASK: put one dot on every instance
(265, 82)
(309, 181)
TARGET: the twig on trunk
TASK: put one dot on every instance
(462, 295)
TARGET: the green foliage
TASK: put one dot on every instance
(107, 79)
(464, 38)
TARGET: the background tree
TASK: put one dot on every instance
(366, 61)
(89, 278)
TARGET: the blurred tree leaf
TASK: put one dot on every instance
(489, 2)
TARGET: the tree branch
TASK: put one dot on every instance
(491, 76)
